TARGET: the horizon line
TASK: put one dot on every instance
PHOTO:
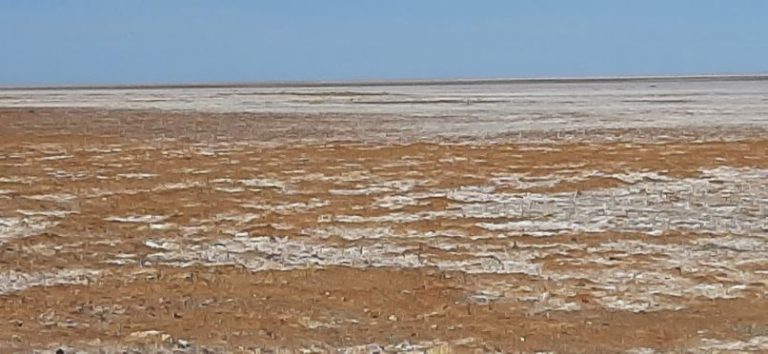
(392, 82)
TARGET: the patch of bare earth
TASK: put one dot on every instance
(147, 230)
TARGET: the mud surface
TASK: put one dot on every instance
(155, 230)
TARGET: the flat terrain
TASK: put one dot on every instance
(551, 217)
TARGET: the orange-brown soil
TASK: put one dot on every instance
(123, 229)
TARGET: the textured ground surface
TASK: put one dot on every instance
(142, 229)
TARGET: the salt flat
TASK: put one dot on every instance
(598, 216)
(461, 109)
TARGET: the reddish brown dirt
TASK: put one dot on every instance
(229, 307)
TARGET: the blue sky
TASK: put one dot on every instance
(115, 41)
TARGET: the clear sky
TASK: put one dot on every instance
(164, 41)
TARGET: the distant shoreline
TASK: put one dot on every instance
(404, 82)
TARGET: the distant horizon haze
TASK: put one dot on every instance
(397, 82)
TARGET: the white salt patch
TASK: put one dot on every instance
(13, 281)
(396, 202)
(759, 343)
(229, 189)
(102, 150)
(395, 186)
(546, 303)
(352, 234)
(637, 304)
(62, 197)
(206, 152)
(23, 227)
(289, 208)
(262, 183)
(435, 346)
(525, 181)
(542, 228)
(162, 227)
(239, 218)
(281, 226)
(222, 180)
(51, 213)
(195, 171)
(737, 204)
(394, 217)
(262, 253)
(55, 157)
(491, 263)
(138, 219)
(137, 175)
(69, 175)
(471, 194)
(718, 291)
(177, 186)
(17, 179)
(359, 191)
(641, 350)
(636, 177)
(160, 245)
